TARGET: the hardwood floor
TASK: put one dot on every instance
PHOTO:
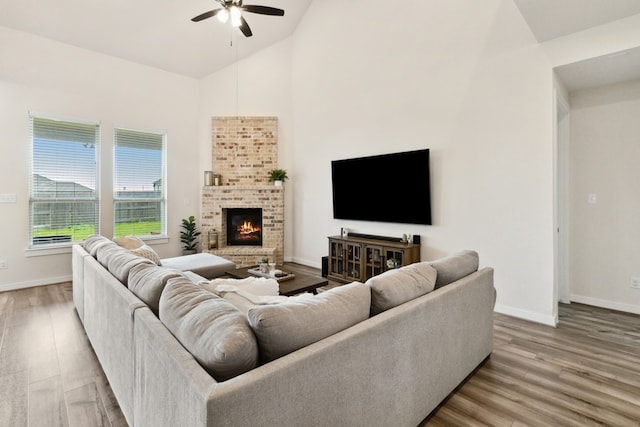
(585, 372)
(49, 374)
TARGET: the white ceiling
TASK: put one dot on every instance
(549, 19)
(159, 33)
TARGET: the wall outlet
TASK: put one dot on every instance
(635, 282)
(3, 264)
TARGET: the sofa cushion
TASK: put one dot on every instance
(129, 242)
(455, 266)
(298, 322)
(107, 250)
(145, 251)
(210, 328)
(92, 243)
(120, 263)
(395, 287)
(148, 281)
(205, 264)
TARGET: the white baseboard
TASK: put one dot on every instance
(612, 305)
(34, 283)
(306, 262)
(527, 315)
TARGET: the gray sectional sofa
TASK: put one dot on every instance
(392, 350)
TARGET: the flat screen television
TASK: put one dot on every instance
(386, 188)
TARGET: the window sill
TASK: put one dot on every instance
(66, 249)
(57, 250)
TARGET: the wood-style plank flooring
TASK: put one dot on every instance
(585, 372)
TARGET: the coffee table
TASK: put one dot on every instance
(300, 283)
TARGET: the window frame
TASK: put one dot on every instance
(60, 245)
(161, 199)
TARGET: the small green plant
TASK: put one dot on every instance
(278, 175)
(190, 234)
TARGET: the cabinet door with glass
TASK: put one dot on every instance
(353, 261)
(394, 258)
(374, 261)
(336, 257)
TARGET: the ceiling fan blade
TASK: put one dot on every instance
(206, 15)
(244, 27)
(263, 10)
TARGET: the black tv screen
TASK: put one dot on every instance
(386, 188)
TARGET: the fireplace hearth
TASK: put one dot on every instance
(244, 226)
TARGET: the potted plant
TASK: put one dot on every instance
(278, 176)
(189, 235)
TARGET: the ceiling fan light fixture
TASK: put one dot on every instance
(235, 14)
(223, 15)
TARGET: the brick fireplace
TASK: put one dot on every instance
(244, 150)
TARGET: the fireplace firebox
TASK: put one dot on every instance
(244, 227)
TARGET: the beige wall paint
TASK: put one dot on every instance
(40, 75)
(605, 161)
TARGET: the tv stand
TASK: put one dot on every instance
(356, 258)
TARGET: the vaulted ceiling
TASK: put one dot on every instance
(159, 33)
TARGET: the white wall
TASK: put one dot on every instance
(465, 79)
(605, 237)
(44, 76)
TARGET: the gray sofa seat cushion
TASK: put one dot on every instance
(204, 264)
(395, 287)
(455, 266)
(289, 326)
(210, 328)
(148, 281)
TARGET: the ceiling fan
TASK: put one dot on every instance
(233, 9)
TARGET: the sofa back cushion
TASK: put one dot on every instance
(210, 328)
(92, 243)
(148, 281)
(395, 287)
(106, 251)
(120, 263)
(298, 322)
(455, 266)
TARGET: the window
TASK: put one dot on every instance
(139, 190)
(63, 201)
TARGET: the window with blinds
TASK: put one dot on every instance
(63, 201)
(139, 190)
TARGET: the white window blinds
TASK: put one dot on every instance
(139, 190)
(63, 201)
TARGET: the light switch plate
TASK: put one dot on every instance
(8, 198)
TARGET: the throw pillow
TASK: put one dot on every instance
(289, 326)
(148, 281)
(145, 251)
(128, 242)
(455, 266)
(395, 287)
(210, 328)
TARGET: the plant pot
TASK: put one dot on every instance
(277, 183)
(188, 251)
